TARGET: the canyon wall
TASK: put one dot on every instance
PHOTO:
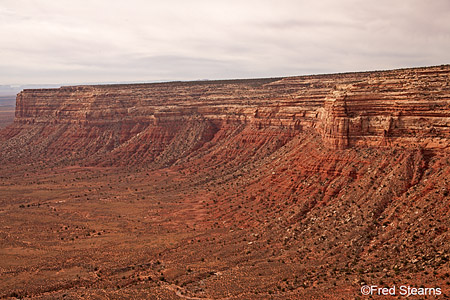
(406, 107)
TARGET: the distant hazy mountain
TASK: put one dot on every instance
(7, 101)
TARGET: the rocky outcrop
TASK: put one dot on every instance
(401, 107)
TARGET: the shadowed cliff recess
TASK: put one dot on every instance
(305, 187)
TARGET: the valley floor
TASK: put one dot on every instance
(285, 218)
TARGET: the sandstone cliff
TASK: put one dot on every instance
(109, 122)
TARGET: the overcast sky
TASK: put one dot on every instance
(79, 41)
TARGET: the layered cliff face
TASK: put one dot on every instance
(401, 107)
(286, 188)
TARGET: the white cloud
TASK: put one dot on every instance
(137, 40)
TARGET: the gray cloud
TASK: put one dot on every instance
(64, 41)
